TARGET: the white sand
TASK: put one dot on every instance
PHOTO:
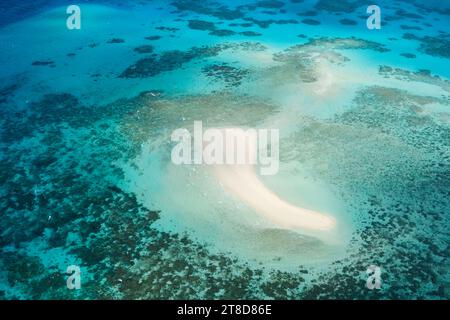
(243, 182)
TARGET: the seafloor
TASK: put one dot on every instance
(86, 118)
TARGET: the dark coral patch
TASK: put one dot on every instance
(116, 40)
(201, 25)
(168, 29)
(434, 46)
(250, 34)
(144, 49)
(308, 14)
(7, 92)
(405, 27)
(269, 4)
(222, 32)
(340, 6)
(348, 22)
(167, 61)
(270, 13)
(215, 9)
(311, 22)
(171, 60)
(43, 63)
(404, 14)
(266, 23)
(244, 25)
(408, 55)
(230, 75)
(153, 38)
(410, 36)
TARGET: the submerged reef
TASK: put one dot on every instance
(69, 200)
(311, 22)
(268, 4)
(153, 38)
(172, 60)
(423, 76)
(250, 33)
(44, 63)
(166, 61)
(438, 46)
(300, 61)
(211, 8)
(266, 23)
(230, 75)
(346, 43)
(222, 12)
(345, 6)
(348, 22)
(408, 55)
(66, 196)
(144, 49)
(399, 162)
(201, 25)
(156, 116)
(222, 32)
(213, 30)
(116, 40)
(7, 92)
(404, 27)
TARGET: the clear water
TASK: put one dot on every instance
(85, 147)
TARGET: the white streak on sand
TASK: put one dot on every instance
(243, 182)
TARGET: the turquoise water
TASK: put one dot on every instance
(86, 176)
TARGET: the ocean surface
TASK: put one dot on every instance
(85, 137)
